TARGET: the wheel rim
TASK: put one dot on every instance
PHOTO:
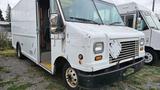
(71, 77)
(148, 57)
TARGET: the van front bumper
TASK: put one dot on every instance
(109, 75)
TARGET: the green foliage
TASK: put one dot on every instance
(20, 87)
(1, 16)
(8, 13)
(4, 70)
(140, 80)
(2, 84)
(8, 82)
(8, 53)
(4, 41)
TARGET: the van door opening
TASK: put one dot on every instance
(45, 40)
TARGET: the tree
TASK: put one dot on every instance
(8, 13)
(1, 16)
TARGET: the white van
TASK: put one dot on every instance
(142, 19)
(158, 16)
(86, 39)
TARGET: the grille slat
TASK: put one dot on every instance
(121, 56)
(131, 56)
(128, 53)
(130, 49)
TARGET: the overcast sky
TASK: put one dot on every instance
(146, 3)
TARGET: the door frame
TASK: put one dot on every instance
(38, 32)
(38, 40)
(150, 31)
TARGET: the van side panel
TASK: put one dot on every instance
(24, 28)
(155, 40)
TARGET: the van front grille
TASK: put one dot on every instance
(130, 49)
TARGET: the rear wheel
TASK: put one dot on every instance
(151, 57)
(70, 77)
(18, 52)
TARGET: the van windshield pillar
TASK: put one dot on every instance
(53, 6)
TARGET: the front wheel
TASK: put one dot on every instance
(151, 57)
(70, 77)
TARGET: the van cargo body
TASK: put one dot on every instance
(144, 20)
(78, 37)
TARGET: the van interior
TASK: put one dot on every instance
(45, 40)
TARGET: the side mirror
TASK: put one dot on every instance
(53, 23)
(139, 20)
(139, 23)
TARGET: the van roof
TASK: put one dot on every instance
(131, 7)
(110, 1)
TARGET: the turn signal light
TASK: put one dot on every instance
(98, 58)
(141, 49)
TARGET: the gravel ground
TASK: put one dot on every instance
(18, 74)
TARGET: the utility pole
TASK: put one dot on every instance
(153, 5)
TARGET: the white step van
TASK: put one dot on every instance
(86, 39)
(142, 19)
(158, 16)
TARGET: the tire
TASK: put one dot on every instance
(70, 77)
(151, 57)
(18, 52)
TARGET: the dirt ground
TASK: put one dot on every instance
(18, 74)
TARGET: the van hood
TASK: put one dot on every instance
(112, 32)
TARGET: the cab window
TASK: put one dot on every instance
(129, 20)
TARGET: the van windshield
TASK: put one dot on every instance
(151, 19)
(80, 11)
(108, 13)
(90, 11)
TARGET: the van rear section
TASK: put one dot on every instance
(80, 38)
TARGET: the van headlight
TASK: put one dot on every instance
(98, 47)
(142, 42)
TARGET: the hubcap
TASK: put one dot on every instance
(148, 57)
(71, 77)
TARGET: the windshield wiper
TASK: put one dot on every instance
(115, 23)
(86, 20)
